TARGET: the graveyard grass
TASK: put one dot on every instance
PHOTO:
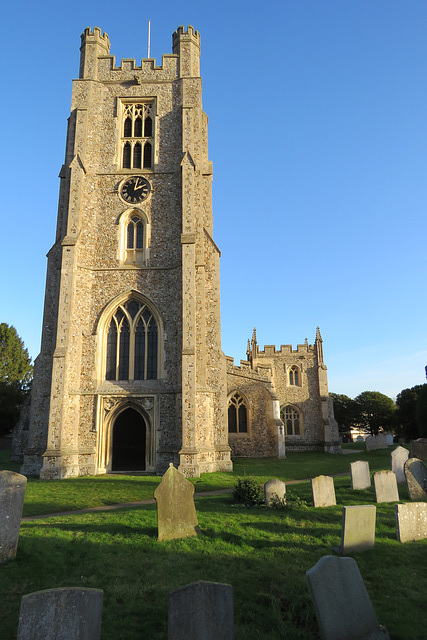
(263, 553)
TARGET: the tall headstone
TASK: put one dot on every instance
(12, 493)
(385, 484)
(376, 442)
(419, 448)
(274, 489)
(343, 608)
(201, 611)
(416, 478)
(358, 528)
(398, 458)
(323, 491)
(411, 521)
(61, 614)
(360, 475)
(176, 513)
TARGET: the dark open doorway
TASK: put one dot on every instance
(129, 433)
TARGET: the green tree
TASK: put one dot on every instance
(406, 414)
(16, 373)
(421, 412)
(345, 411)
(375, 410)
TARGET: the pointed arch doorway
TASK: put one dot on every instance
(129, 441)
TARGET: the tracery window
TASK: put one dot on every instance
(237, 414)
(134, 240)
(294, 376)
(292, 419)
(137, 135)
(132, 343)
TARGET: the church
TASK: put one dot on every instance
(131, 375)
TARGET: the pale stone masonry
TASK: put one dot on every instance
(131, 375)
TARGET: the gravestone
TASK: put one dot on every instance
(61, 614)
(360, 475)
(385, 485)
(411, 521)
(201, 611)
(398, 458)
(389, 438)
(12, 493)
(274, 488)
(323, 491)
(343, 608)
(376, 442)
(176, 513)
(419, 448)
(416, 478)
(358, 528)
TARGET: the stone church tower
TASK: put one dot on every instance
(131, 375)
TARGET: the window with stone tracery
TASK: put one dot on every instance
(137, 136)
(294, 376)
(132, 343)
(237, 414)
(292, 419)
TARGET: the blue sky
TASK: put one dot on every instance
(317, 132)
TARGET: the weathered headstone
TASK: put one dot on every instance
(389, 438)
(385, 484)
(358, 528)
(12, 493)
(398, 458)
(411, 521)
(61, 614)
(360, 475)
(416, 478)
(176, 513)
(419, 448)
(343, 608)
(201, 611)
(274, 489)
(323, 491)
(376, 442)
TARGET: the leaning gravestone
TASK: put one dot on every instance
(358, 528)
(176, 513)
(274, 489)
(411, 521)
(416, 478)
(360, 475)
(343, 608)
(323, 491)
(12, 493)
(201, 611)
(398, 458)
(419, 448)
(61, 614)
(376, 442)
(385, 484)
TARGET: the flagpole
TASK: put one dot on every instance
(149, 36)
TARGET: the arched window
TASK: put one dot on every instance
(295, 376)
(132, 343)
(292, 419)
(137, 136)
(237, 414)
(134, 242)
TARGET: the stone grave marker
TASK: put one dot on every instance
(323, 491)
(358, 528)
(411, 521)
(61, 614)
(12, 493)
(398, 458)
(274, 488)
(201, 611)
(376, 442)
(385, 485)
(419, 448)
(343, 608)
(176, 513)
(389, 437)
(416, 478)
(360, 474)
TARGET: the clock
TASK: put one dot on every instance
(135, 189)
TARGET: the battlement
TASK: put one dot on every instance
(262, 373)
(95, 36)
(146, 71)
(182, 34)
(285, 349)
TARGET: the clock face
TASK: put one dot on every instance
(135, 189)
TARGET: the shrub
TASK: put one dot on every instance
(247, 491)
(289, 501)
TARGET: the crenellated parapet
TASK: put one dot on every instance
(261, 373)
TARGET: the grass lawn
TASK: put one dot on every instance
(263, 553)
